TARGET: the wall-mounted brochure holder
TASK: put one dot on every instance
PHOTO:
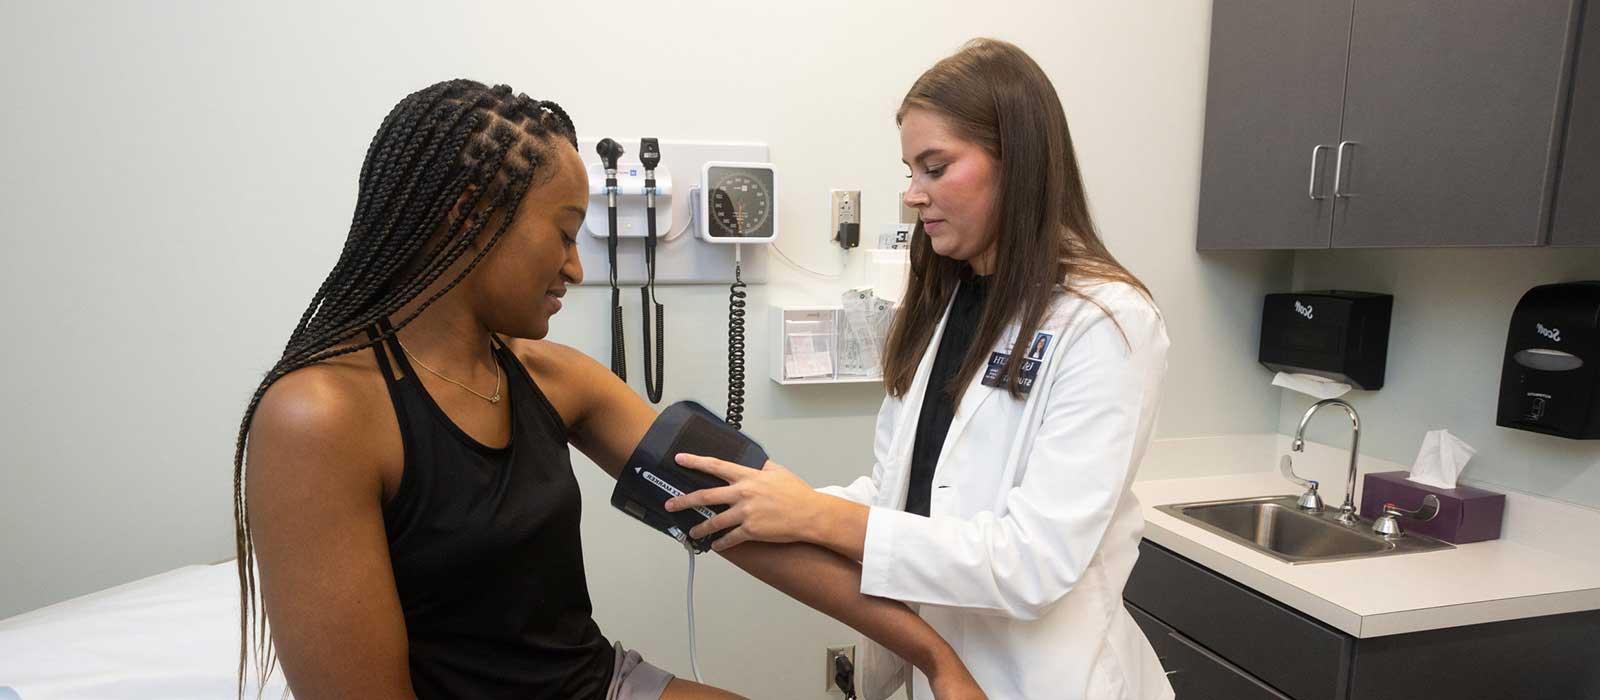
(813, 345)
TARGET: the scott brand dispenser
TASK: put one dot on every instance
(1550, 381)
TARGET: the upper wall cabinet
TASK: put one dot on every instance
(1577, 219)
(1384, 123)
(1273, 97)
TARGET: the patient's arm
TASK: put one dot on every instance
(316, 514)
(831, 584)
(606, 420)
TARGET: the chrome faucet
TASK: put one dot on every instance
(1388, 524)
(1309, 501)
(1347, 512)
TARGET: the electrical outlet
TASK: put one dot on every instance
(849, 652)
(844, 218)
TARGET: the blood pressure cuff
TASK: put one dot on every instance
(652, 474)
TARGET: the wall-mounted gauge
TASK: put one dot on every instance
(739, 203)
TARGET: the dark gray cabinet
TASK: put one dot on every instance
(1196, 673)
(1384, 123)
(1273, 93)
(1289, 652)
(1218, 639)
(1452, 122)
(1577, 217)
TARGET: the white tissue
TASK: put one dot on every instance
(1441, 459)
(1311, 385)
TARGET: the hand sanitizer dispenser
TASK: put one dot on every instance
(1550, 381)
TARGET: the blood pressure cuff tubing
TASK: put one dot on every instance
(652, 474)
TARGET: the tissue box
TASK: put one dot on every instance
(1466, 514)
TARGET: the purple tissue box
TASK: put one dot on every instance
(1465, 515)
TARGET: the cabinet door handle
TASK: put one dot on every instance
(1311, 188)
(1338, 169)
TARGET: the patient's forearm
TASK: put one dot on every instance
(831, 584)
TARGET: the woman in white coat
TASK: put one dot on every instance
(999, 504)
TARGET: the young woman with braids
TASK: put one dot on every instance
(402, 478)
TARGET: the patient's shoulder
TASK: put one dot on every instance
(322, 422)
(548, 357)
(556, 363)
(571, 380)
(311, 402)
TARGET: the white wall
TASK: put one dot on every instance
(178, 177)
(1447, 339)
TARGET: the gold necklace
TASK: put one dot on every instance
(498, 377)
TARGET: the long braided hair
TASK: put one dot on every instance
(459, 146)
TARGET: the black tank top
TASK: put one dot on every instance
(486, 552)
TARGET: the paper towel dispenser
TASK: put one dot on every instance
(1550, 379)
(1341, 335)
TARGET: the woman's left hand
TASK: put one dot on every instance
(770, 504)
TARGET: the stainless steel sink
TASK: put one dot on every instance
(1276, 527)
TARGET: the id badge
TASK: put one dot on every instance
(995, 373)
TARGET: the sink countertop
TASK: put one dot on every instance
(1474, 583)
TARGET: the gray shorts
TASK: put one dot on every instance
(633, 678)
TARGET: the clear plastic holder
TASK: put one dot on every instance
(810, 338)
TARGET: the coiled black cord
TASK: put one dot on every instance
(619, 357)
(736, 295)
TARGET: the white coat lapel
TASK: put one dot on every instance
(978, 393)
(976, 396)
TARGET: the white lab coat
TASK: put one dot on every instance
(1032, 528)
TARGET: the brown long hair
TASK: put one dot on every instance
(997, 97)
